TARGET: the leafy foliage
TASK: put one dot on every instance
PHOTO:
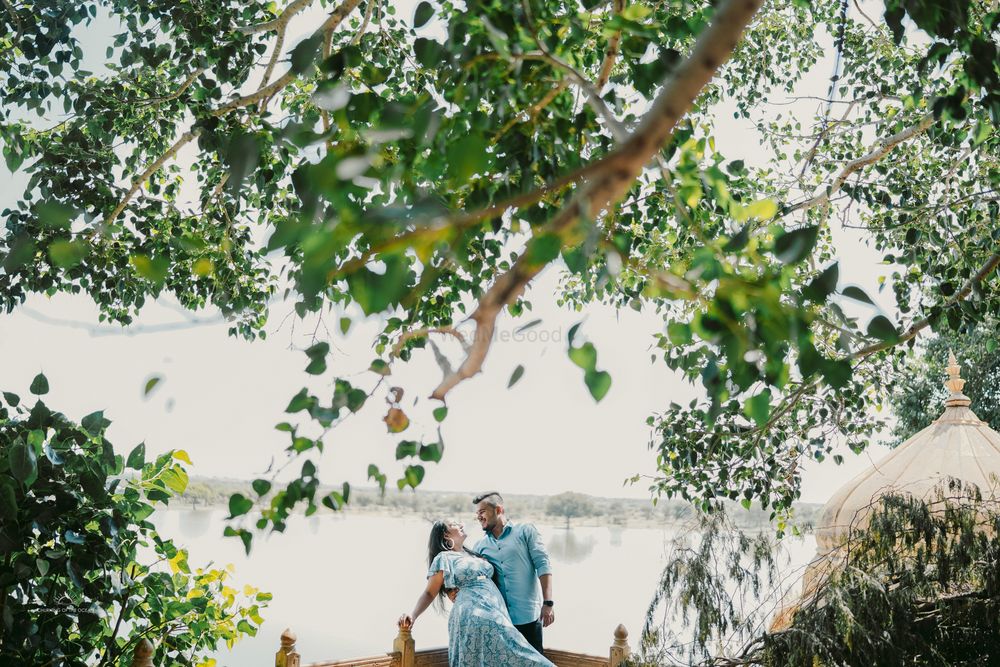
(917, 586)
(425, 168)
(85, 575)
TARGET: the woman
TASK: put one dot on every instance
(480, 633)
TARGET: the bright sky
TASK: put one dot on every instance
(221, 397)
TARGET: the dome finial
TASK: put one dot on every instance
(955, 384)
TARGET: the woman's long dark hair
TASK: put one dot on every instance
(438, 543)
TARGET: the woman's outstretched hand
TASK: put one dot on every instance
(405, 622)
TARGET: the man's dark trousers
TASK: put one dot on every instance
(533, 633)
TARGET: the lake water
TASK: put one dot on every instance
(341, 581)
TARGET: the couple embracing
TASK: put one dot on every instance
(502, 589)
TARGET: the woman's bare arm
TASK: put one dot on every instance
(424, 600)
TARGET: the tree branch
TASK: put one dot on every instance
(464, 220)
(150, 170)
(989, 267)
(279, 44)
(336, 17)
(532, 112)
(18, 26)
(364, 23)
(881, 149)
(612, 53)
(425, 333)
(616, 173)
(279, 22)
(177, 93)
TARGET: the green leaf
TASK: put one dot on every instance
(598, 382)
(584, 356)
(381, 367)
(738, 241)
(375, 292)
(176, 479)
(465, 157)
(151, 384)
(13, 400)
(413, 475)
(8, 499)
(356, 399)
(301, 401)
(245, 535)
(440, 413)
(152, 269)
(428, 52)
(880, 327)
(837, 372)
(137, 457)
(261, 486)
(858, 294)
(95, 423)
(407, 448)
(432, 452)
(304, 54)
(23, 463)
(245, 627)
(823, 285)
(67, 254)
(22, 250)
(679, 333)
(762, 209)
(423, 14)
(203, 267)
(55, 215)
(317, 355)
(39, 386)
(377, 475)
(515, 376)
(758, 407)
(239, 505)
(542, 249)
(794, 246)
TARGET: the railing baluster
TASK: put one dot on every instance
(287, 656)
(619, 648)
(404, 646)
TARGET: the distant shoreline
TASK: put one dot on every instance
(581, 510)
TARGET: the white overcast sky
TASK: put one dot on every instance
(221, 397)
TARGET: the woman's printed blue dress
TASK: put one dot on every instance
(480, 633)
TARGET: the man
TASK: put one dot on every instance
(517, 551)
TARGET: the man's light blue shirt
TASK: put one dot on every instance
(521, 556)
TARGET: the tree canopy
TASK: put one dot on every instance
(570, 505)
(425, 166)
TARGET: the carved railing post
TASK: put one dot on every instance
(619, 648)
(404, 646)
(143, 654)
(287, 656)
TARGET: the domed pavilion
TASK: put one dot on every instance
(957, 445)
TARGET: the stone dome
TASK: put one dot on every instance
(956, 445)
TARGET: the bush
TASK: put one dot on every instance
(85, 575)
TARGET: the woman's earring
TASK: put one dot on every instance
(448, 544)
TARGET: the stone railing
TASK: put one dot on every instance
(404, 654)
